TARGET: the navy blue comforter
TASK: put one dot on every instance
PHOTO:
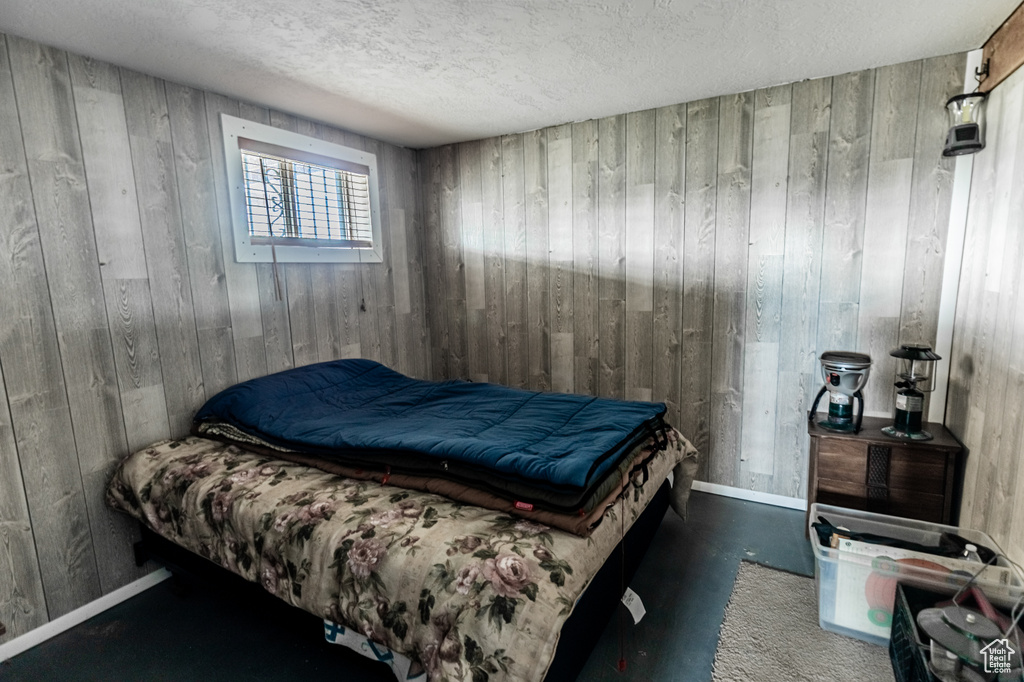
(361, 408)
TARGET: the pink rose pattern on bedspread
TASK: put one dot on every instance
(472, 594)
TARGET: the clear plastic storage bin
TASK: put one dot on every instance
(856, 582)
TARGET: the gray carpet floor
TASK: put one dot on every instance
(771, 632)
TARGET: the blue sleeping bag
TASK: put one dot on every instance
(364, 413)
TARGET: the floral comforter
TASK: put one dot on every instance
(471, 594)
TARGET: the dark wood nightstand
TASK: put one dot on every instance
(875, 473)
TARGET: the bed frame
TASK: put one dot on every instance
(579, 635)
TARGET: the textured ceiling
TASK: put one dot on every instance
(423, 73)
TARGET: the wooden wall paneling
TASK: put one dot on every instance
(732, 227)
(1002, 282)
(513, 160)
(1007, 400)
(378, 278)
(299, 282)
(890, 171)
(114, 202)
(419, 340)
(429, 162)
(560, 258)
(363, 286)
(585, 272)
(640, 154)
(538, 313)
(403, 260)
(798, 378)
(699, 286)
(239, 278)
(22, 602)
(668, 236)
(54, 153)
(493, 244)
(455, 264)
(930, 199)
(765, 255)
(22, 278)
(160, 213)
(48, 152)
(273, 282)
(471, 196)
(975, 310)
(846, 189)
(193, 166)
(611, 256)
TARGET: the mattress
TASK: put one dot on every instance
(545, 449)
(468, 592)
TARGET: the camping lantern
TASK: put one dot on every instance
(967, 124)
(845, 373)
(915, 374)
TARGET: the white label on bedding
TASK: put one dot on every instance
(635, 606)
(671, 479)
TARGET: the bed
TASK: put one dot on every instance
(468, 593)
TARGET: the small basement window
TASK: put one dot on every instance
(297, 199)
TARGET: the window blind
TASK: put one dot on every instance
(300, 203)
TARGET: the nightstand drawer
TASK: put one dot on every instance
(900, 467)
(905, 503)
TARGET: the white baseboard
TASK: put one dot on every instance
(80, 615)
(751, 495)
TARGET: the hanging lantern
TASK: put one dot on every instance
(967, 124)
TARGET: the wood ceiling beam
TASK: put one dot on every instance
(1004, 50)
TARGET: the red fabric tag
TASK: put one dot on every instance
(525, 506)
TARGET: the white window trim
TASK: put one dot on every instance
(245, 251)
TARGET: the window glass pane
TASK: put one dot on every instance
(288, 198)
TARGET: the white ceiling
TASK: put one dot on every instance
(422, 73)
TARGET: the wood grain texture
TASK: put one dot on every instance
(805, 209)
(699, 258)
(538, 312)
(931, 192)
(493, 246)
(513, 183)
(585, 268)
(639, 253)
(845, 198)
(454, 262)
(890, 169)
(732, 228)
(765, 263)
(560, 257)
(160, 212)
(1004, 50)
(611, 256)
(239, 278)
(22, 602)
(668, 234)
(433, 252)
(471, 196)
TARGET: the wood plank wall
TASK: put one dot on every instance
(985, 408)
(124, 309)
(701, 254)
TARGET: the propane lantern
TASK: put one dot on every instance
(845, 373)
(967, 124)
(917, 363)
